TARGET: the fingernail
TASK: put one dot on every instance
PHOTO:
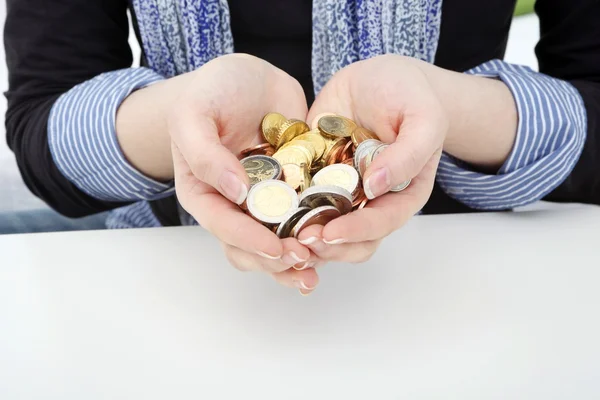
(309, 240)
(336, 241)
(306, 265)
(318, 246)
(308, 293)
(292, 258)
(268, 256)
(302, 285)
(378, 183)
(233, 188)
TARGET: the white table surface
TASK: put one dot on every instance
(498, 306)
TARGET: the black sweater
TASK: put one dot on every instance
(52, 46)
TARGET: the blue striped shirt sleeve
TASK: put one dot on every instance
(83, 141)
(551, 134)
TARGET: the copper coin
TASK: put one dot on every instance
(348, 161)
(318, 216)
(363, 204)
(260, 147)
(335, 152)
(346, 153)
(358, 198)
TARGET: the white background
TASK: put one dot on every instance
(15, 196)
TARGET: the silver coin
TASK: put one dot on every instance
(261, 168)
(327, 195)
(319, 216)
(271, 201)
(399, 187)
(285, 228)
(363, 155)
(340, 175)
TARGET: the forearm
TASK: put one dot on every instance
(483, 117)
(141, 125)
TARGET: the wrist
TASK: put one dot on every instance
(483, 117)
(141, 124)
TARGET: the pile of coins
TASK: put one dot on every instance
(301, 176)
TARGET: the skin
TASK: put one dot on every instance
(191, 128)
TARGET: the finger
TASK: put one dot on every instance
(306, 281)
(244, 261)
(419, 138)
(337, 250)
(385, 214)
(222, 218)
(298, 256)
(194, 129)
(294, 253)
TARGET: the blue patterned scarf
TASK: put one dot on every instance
(181, 35)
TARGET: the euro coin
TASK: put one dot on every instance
(338, 175)
(305, 145)
(261, 168)
(271, 201)
(397, 188)
(306, 178)
(332, 153)
(290, 130)
(285, 228)
(315, 138)
(262, 148)
(315, 122)
(363, 155)
(318, 216)
(336, 126)
(292, 175)
(361, 134)
(292, 155)
(327, 195)
(271, 124)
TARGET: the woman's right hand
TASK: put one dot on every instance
(215, 118)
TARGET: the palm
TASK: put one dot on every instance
(394, 101)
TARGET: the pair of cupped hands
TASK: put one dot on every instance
(219, 115)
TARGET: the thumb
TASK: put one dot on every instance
(197, 138)
(397, 163)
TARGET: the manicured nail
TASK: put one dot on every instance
(306, 265)
(318, 246)
(378, 183)
(233, 188)
(292, 258)
(308, 293)
(302, 285)
(309, 240)
(336, 241)
(268, 256)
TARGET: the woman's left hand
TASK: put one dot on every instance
(393, 97)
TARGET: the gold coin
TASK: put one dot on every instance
(304, 144)
(292, 175)
(292, 155)
(315, 138)
(290, 130)
(361, 134)
(336, 127)
(271, 124)
(306, 179)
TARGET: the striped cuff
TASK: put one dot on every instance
(83, 141)
(137, 215)
(550, 137)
